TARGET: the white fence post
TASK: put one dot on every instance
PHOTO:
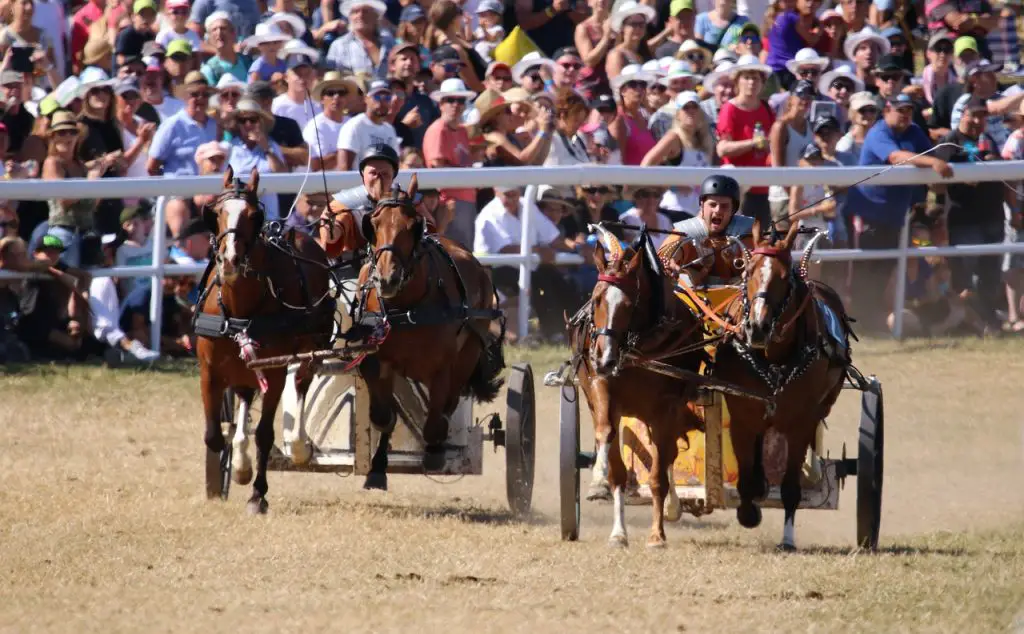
(900, 297)
(526, 253)
(156, 299)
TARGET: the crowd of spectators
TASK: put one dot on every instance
(116, 88)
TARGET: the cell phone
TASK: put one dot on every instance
(21, 59)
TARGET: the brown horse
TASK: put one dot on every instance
(259, 299)
(784, 344)
(432, 304)
(633, 314)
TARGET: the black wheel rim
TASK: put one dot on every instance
(227, 415)
(519, 439)
(870, 461)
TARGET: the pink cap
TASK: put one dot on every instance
(177, 4)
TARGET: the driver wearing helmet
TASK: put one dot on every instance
(706, 247)
(341, 230)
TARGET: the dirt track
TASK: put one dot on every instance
(103, 526)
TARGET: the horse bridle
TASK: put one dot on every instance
(215, 240)
(794, 280)
(407, 266)
(621, 339)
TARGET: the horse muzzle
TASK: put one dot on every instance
(756, 334)
(389, 286)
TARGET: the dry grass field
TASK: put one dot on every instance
(103, 526)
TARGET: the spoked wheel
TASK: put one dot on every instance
(869, 466)
(568, 462)
(218, 467)
(520, 432)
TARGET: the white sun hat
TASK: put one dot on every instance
(722, 70)
(632, 72)
(842, 71)
(298, 47)
(266, 33)
(654, 68)
(806, 57)
(93, 77)
(453, 87)
(530, 60)
(750, 62)
(867, 34)
(376, 5)
(295, 22)
(686, 97)
(628, 9)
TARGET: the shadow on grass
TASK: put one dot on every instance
(897, 550)
(65, 367)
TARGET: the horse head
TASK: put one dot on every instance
(235, 219)
(614, 300)
(770, 282)
(395, 232)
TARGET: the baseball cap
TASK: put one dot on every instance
(176, 4)
(900, 100)
(863, 99)
(11, 77)
(603, 102)
(51, 241)
(445, 53)
(964, 43)
(378, 85)
(811, 150)
(143, 4)
(260, 90)
(404, 46)
(687, 97)
(680, 5)
(824, 122)
(494, 6)
(980, 66)
(179, 47)
(940, 36)
(493, 66)
(126, 85)
(412, 13)
(890, 64)
(131, 213)
(566, 51)
(892, 31)
(152, 48)
(48, 106)
(976, 102)
(804, 88)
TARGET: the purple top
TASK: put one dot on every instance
(783, 40)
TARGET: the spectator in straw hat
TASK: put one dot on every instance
(252, 147)
(446, 144)
(172, 152)
(321, 133)
(498, 127)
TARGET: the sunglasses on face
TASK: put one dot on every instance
(180, 57)
(181, 11)
(197, 94)
(943, 47)
(130, 96)
(457, 101)
(750, 40)
(636, 24)
(841, 85)
(808, 72)
(65, 133)
(695, 57)
(658, 88)
(921, 242)
(869, 111)
(230, 96)
(453, 67)
(640, 195)
(382, 97)
(534, 77)
(595, 190)
(501, 78)
(248, 120)
(571, 65)
(335, 92)
(635, 85)
(891, 76)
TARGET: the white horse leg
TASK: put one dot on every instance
(241, 464)
(618, 536)
(673, 509)
(294, 419)
(599, 488)
(789, 534)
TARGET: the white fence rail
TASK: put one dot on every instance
(160, 188)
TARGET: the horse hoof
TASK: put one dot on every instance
(258, 506)
(376, 482)
(785, 548)
(618, 541)
(599, 492)
(749, 515)
(242, 475)
(656, 543)
(301, 452)
(434, 459)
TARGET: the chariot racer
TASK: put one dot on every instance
(705, 248)
(341, 230)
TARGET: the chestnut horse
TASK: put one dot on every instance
(633, 312)
(785, 344)
(431, 303)
(261, 297)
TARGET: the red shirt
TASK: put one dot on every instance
(452, 146)
(736, 124)
(80, 27)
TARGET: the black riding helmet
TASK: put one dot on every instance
(379, 151)
(720, 185)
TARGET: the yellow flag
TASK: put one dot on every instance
(514, 47)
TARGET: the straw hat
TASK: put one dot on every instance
(748, 63)
(844, 72)
(867, 34)
(628, 9)
(333, 79)
(65, 120)
(248, 107)
(530, 60)
(96, 51)
(266, 33)
(806, 57)
(691, 46)
(489, 105)
(452, 88)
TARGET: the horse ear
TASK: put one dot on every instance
(229, 175)
(210, 219)
(414, 185)
(756, 232)
(254, 180)
(367, 227)
(787, 242)
(418, 228)
(600, 259)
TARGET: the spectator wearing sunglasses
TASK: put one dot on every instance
(568, 65)
(369, 128)
(890, 80)
(252, 147)
(746, 40)
(963, 17)
(939, 71)
(864, 111)
(446, 144)
(176, 14)
(322, 132)
(792, 31)
(630, 20)
(807, 66)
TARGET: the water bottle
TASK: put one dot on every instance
(759, 136)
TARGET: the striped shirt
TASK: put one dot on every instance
(347, 54)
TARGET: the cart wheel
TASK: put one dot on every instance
(520, 432)
(218, 467)
(869, 466)
(568, 462)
